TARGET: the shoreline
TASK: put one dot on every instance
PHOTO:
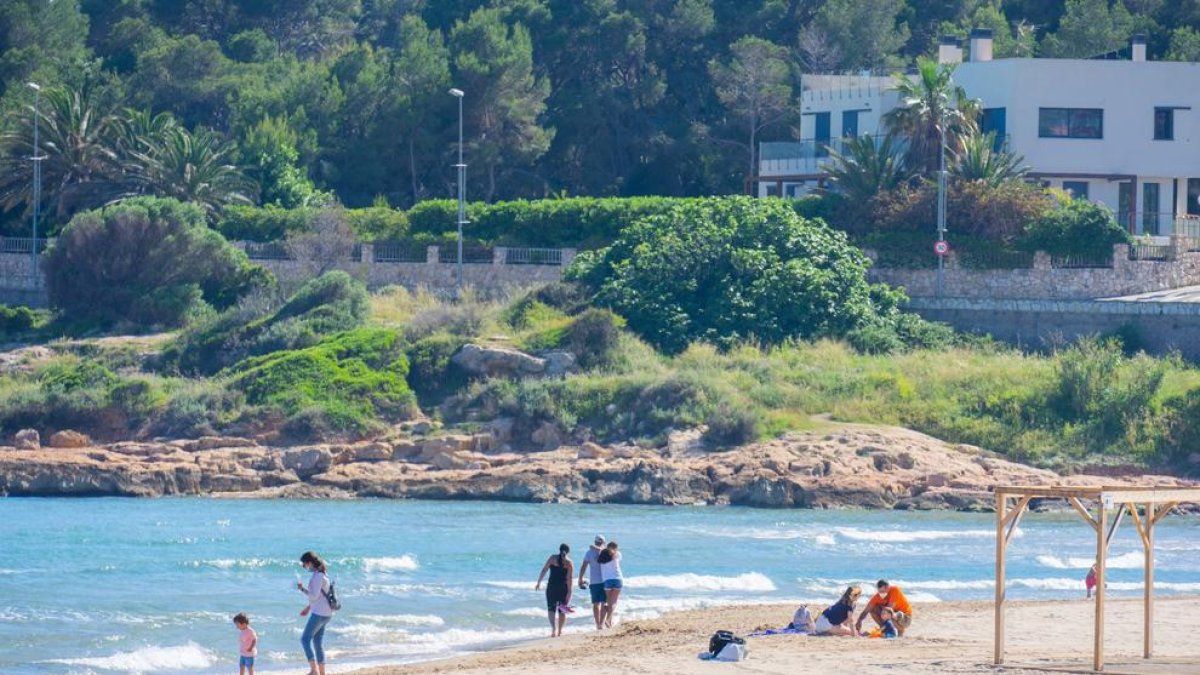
(947, 637)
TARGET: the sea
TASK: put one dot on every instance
(103, 586)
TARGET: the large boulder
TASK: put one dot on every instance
(69, 439)
(308, 462)
(559, 362)
(547, 435)
(497, 361)
(27, 439)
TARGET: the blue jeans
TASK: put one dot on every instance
(313, 637)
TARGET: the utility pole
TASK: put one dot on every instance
(462, 191)
(37, 177)
(941, 198)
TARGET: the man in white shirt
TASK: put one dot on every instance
(595, 582)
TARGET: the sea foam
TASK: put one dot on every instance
(1126, 561)
(905, 536)
(150, 659)
(404, 563)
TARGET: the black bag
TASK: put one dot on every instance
(721, 638)
(332, 598)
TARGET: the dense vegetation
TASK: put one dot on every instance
(301, 102)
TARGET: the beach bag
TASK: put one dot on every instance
(332, 598)
(803, 620)
(734, 651)
(720, 639)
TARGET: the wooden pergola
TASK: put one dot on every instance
(1114, 501)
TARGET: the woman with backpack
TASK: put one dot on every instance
(321, 604)
(558, 588)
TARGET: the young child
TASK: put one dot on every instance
(888, 630)
(247, 644)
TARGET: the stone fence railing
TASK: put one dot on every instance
(1139, 268)
(488, 270)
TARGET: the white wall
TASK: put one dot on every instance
(1127, 91)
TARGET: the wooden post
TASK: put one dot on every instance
(1148, 598)
(1001, 545)
(1101, 562)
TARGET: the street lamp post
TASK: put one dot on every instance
(462, 189)
(941, 198)
(37, 176)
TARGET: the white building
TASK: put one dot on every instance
(1123, 133)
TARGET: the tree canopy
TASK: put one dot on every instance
(305, 102)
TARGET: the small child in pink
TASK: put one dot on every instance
(247, 644)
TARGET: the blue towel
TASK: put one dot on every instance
(779, 631)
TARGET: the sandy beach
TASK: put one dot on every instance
(951, 637)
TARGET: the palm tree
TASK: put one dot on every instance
(192, 167)
(78, 140)
(980, 160)
(866, 166)
(931, 102)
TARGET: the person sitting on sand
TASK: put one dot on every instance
(558, 588)
(610, 569)
(595, 581)
(888, 630)
(887, 595)
(835, 620)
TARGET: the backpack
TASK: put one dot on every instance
(332, 598)
(722, 638)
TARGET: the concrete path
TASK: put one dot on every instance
(1184, 294)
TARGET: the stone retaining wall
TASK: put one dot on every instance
(1042, 281)
(18, 286)
(1161, 327)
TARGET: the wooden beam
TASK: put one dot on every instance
(1115, 524)
(1153, 496)
(1101, 562)
(1084, 512)
(1015, 517)
(1148, 597)
(1001, 546)
(1137, 522)
(1166, 508)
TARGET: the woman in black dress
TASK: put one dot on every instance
(558, 588)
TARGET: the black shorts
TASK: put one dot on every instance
(555, 597)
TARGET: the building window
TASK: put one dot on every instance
(1070, 122)
(995, 120)
(1164, 124)
(1076, 188)
(849, 123)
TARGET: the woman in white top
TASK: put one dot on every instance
(610, 570)
(318, 611)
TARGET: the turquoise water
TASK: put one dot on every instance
(148, 586)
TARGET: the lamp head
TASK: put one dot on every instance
(34, 86)
(458, 93)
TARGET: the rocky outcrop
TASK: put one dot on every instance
(69, 439)
(856, 466)
(497, 361)
(27, 439)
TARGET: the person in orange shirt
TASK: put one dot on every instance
(889, 596)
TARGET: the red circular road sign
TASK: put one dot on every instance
(941, 247)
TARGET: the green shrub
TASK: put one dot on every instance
(274, 223)
(147, 261)
(196, 408)
(16, 320)
(1177, 448)
(70, 392)
(329, 304)
(353, 379)
(723, 270)
(1107, 394)
(593, 336)
(730, 426)
(1075, 227)
(432, 376)
(564, 296)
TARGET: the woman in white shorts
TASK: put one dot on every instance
(837, 619)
